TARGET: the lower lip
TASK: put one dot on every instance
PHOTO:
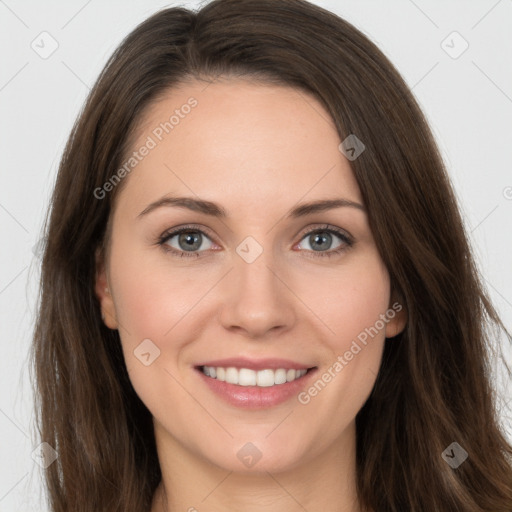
(255, 397)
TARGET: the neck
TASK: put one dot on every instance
(191, 483)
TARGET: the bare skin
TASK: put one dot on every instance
(258, 151)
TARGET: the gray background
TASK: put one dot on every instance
(467, 100)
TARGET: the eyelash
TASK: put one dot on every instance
(348, 242)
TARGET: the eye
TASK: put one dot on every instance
(186, 241)
(320, 240)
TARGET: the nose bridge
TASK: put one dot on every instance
(253, 264)
(257, 300)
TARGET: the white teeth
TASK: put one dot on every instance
(231, 375)
(247, 377)
(280, 376)
(265, 378)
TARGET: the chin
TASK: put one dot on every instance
(254, 457)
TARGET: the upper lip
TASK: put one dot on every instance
(257, 364)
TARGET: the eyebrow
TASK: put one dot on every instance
(216, 210)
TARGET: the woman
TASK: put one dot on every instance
(196, 348)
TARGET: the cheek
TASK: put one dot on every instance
(352, 300)
(353, 309)
(150, 297)
(151, 305)
(148, 303)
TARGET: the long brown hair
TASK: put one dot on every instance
(434, 385)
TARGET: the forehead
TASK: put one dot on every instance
(237, 141)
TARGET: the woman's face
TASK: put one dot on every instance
(269, 287)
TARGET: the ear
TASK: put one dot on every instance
(102, 290)
(397, 315)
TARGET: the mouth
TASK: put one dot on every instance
(250, 384)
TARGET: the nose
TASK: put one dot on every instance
(257, 299)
